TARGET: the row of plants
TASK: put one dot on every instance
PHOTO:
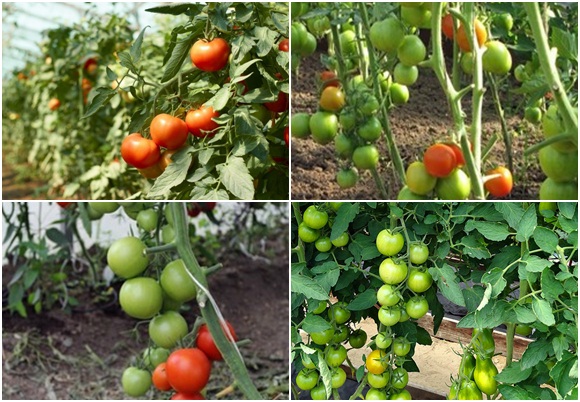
(197, 109)
(376, 52)
(510, 265)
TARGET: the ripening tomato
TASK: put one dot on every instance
(447, 26)
(456, 186)
(139, 152)
(439, 160)
(284, 45)
(287, 136)
(502, 185)
(377, 361)
(329, 79)
(480, 33)
(160, 378)
(66, 205)
(419, 181)
(199, 121)
(53, 104)
(168, 131)
(332, 99)
(188, 370)
(206, 343)
(210, 56)
(459, 158)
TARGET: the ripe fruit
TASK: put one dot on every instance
(497, 58)
(160, 378)
(188, 370)
(199, 121)
(206, 343)
(280, 105)
(332, 99)
(439, 160)
(53, 104)
(374, 363)
(139, 152)
(284, 45)
(447, 26)
(168, 131)
(502, 185)
(210, 56)
(480, 33)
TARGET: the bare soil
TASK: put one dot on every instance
(81, 355)
(423, 121)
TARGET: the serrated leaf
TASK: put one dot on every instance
(308, 287)
(235, 176)
(363, 301)
(545, 239)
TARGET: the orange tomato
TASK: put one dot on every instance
(440, 160)
(480, 33)
(501, 185)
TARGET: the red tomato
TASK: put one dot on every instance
(66, 205)
(53, 104)
(280, 105)
(188, 370)
(284, 45)
(205, 342)
(139, 152)
(458, 153)
(502, 185)
(447, 26)
(180, 396)
(160, 378)
(210, 56)
(439, 160)
(199, 121)
(168, 131)
(91, 66)
(287, 136)
(193, 210)
(329, 79)
(207, 206)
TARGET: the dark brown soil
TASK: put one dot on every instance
(17, 186)
(55, 355)
(416, 125)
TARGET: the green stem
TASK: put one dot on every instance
(379, 183)
(300, 247)
(210, 311)
(507, 139)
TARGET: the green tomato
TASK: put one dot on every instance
(401, 347)
(370, 130)
(93, 215)
(308, 45)
(416, 16)
(419, 280)
(404, 395)
(348, 44)
(307, 234)
(558, 166)
(456, 186)
(383, 341)
(551, 190)
(392, 273)
(320, 307)
(147, 219)
(366, 157)
(399, 94)
(374, 394)
(523, 330)
(177, 283)
(135, 382)
(370, 106)
(388, 296)
(417, 307)
(341, 240)
(533, 115)
(520, 73)
(340, 334)
(468, 390)
(339, 313)
(496, 58)
(307, 361)
(418, 253)
(347, 119)
(419, 181)
(378, 380)
(483, 342)
(400, 378)
(504, 21)
(389, 243)
(126, 257)
(411, 51)
(405, 75)
(387, 35)
(323, 337)
(484, 375)
(347, 178)
(323, 244)
(338, 378)
(344, 146)
(468, 365)
(335, 355)
(141, 297)
(404, 315)
(407, 195)
(324, 127)
(307, 379)
(300, 125)
(335, 205)
(318, 393)
(389, 316)
(167, 234)
(153, 357)
(314, 218)
(357, 339)
(167, 329)
(104, 207)
(467, 63)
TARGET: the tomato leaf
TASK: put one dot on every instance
(545, 239)
(513, 374)
(527, 225)
(543, 311)
(236, 178)
(315, 323)
(447, 283)
(308, 287)
(494, 231)
(363, 301)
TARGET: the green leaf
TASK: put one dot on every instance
(308, 287)
(315, 323)
(474, 246)
(545, 239)
(515, 393)
(532, 263)
(527, 225)
(513, 374)
(495, 278)
(551, 287)
(525, 315)
(543, 311)
(511, 212)
(490, 230)
(346, 214)
(447, 283)
(236, 177)
(363, 301)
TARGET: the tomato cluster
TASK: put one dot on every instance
(170, 363)
(476, 371)
(441, 173)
